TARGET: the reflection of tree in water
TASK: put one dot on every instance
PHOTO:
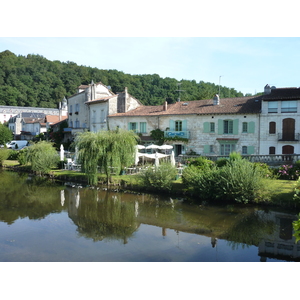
(249, 230)
(21, 198)
(107, 218)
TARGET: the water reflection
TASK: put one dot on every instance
(106, 216)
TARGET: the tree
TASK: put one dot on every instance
(107, 150)
(42, 156)
(5, 134)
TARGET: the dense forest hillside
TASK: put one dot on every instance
(38, 82)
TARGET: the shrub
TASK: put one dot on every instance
(42, 156)
(221, 162)
(4, 153)
(201, 182)
(288, 172)
(240, 181)
(13, 155)
(201, 162)
(22, 156)
(235, 156)
(264, 169)
(160, 178)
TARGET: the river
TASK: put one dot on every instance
(46, 221)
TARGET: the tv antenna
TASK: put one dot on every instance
(179, 90)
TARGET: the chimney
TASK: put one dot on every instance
(267, 90)
(165, 107)
(216, 99)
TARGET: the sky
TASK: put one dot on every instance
(222, 42)
(246, 64)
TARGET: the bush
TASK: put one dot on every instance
(288, 172)
(22, 156)
(202, 163)
(42, 156)
(4, 154)
(221, 162)
(158, 179)
(239, 180)
(201, 182)
(13, 155)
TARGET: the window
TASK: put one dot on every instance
(77, 107)
(245, 127)
(178, 125)
(244, 150)
(71, 108)
(272, 128)
(102, 116)
(226, 149)
(272, 107)
(71, 124)
(212, 127)
(133, 126)
(289, 106)
(228, 127)
(271, 150)
(211, 149)
(143, 127)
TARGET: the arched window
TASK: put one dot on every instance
(272, 128)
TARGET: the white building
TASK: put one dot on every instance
(90, 107)
(265, 124)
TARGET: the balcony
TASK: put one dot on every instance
(289, 137)
(174, 134)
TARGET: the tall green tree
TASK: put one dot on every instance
(5, 134)
(111, 151)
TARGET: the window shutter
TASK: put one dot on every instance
(220, 127)
(236, 126)
(206, 149)
(250, 150)
(184, 125)
(172, 125)
(206, 127)
(251, 127)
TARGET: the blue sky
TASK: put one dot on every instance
(246, 64)
(241, 46)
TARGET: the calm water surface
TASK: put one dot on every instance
(46, 221)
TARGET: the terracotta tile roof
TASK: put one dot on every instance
(54, 119)
(282, 94)
(243, 105)
(99, 100)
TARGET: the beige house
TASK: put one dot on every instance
(206, 127)
(90, 107)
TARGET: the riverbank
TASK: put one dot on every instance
(277, 192)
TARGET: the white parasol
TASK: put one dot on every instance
(165, 147)
(152, 146)
(173, 159)
(62, 154)
(140, 147)
(156, 160)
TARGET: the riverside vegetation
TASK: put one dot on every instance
(227, 180)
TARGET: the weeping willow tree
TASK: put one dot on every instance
(108, 150)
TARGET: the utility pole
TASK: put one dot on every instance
(220, 86)
(179, 90)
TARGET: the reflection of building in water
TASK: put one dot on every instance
(281, 244)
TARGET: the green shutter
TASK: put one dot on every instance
(184, 125)
(172, 125)
(220, 127)
(251, 127)
(236, 126)
(206, 149)
(250, 150)
(206, 127)
(129, 126)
